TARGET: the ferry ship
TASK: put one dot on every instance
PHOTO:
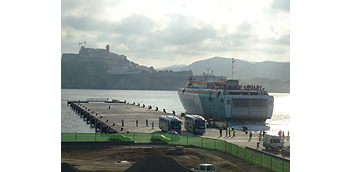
(216, 97)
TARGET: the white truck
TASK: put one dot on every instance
(272, 142)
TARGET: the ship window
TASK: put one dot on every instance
(228, 102)
(254, 93)
(244, 93)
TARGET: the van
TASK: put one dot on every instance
(204, 167)
(272, 142)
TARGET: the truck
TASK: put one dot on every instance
(272, 142)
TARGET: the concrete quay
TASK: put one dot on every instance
(107, 118)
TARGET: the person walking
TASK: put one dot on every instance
(226, 132)
(260, 136)
(220, 132)
(146, 122)
(250, 136)
(233, 132)
(229, 132)
(283, 135)
(137, 123)
(123, 123)
(153, 125)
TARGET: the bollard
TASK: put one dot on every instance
(92, 123)
(88, 119)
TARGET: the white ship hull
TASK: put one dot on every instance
(230, 105)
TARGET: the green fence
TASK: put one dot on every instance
(250, 156)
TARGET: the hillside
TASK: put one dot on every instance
(243, 69)
(102, 69)
(84, 72)
(274, 75)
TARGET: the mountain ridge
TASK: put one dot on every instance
(242, 69)
(101, 69)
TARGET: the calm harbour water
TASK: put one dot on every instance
(169, 100)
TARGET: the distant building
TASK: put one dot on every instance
(91, 52)
(107, 48)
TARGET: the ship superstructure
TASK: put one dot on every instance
(216, 97)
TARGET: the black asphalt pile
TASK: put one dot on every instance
(67, 168)
(157, 163)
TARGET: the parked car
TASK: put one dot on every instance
(204, 167)
(286, 150)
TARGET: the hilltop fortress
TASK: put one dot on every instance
(101, 69)
(114, 63)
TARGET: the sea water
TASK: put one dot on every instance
(168, 100)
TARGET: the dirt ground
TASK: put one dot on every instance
(113, 157)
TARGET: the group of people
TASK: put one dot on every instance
(237, 87)
(282, 134)
(229, 131)
(232, 130)
(244, 87)
(146, 123)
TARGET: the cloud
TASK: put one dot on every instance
(283, 5)
(82, 23)
(180, 30)
(133, 25)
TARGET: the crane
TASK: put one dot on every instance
(80, 43)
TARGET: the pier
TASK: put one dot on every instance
(106, 117)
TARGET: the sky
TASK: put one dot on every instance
(162, 33)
